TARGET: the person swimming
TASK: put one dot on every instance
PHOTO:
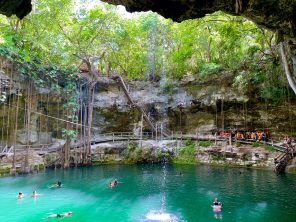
(56, 185)
(35, 194)
(113, 183)
(20, 195)
(66, 214)
(217, 206)
(216, 202)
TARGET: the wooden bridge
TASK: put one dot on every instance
(281, 161)
(130, 136)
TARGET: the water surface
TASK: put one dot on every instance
(151, 193)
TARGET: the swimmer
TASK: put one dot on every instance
(216, 202)
(34, 194)
(56, 185)
(66, 214)
(20, 195)
(113, 183)
(217, 206)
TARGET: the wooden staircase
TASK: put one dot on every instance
(283, 159)
(151, 123)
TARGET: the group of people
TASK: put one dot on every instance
(113, 183)
(58, 184)
(21, 195)
(217, 206)
(247, 135)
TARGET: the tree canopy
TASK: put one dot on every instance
(60, 33)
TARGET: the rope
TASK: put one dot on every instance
(52, 117)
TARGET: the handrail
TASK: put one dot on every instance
(127, 136)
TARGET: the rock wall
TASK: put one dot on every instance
(189, 107)
(36, 162)
(151, 151)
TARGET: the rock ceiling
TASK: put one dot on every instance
(277, 15)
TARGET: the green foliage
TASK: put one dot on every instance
(238, 144)
(131, 147)
(256, 144)
(132, 155)
(72, 134)
(209, 69)
(189, 143)
(49, 43)
(186, 154)
(204, 143)
(269, 148)
(169, 87)
(274, 94)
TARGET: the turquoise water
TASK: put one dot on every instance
(151, 193)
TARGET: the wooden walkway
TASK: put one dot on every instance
(129, 136)
(281, 161)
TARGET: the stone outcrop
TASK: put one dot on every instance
(245, 156)
(188, 107)
(151, 151)
(278, 15)
(35, 162)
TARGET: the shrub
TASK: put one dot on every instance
(269, 148)
(208, 69)
(131, 147)
(256, 144)
(186, 153)
(204, 143)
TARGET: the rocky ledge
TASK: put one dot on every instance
(35, 162)
(183, 152)
(278, 15)
(18, 7)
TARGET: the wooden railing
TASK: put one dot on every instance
(128, 136)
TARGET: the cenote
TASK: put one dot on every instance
(152, 192)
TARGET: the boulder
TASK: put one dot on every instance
(27, 136)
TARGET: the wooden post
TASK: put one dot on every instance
(161, 132)
(156, 132)
(222, 114)
(141, 135)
